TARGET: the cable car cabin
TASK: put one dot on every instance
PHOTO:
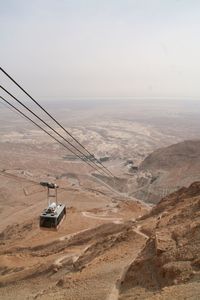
(53, 215)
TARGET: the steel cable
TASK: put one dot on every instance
(66, 131)
(24, 115)
(27, 108)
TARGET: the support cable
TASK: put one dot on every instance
(56, 132)
(24, 115)
(66, 131)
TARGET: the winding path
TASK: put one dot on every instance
(93, 216)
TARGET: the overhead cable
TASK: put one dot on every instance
(56, 132)
(24, 115)
(58, 123)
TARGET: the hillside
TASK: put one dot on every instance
(106, 247)
(103, 231)
(83, 258)
(167, 169)
(176, 155)
(168, 267)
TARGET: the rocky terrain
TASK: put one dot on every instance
(94, 243)
(167, 169)
(114, 243)
(122, 248)
(168, 265)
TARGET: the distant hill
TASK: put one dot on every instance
(186, 153)
(170, 168)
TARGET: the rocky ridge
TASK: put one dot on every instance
(170, 259)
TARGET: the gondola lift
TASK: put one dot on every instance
(55, 212)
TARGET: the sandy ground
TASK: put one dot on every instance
(88, 257)
(85, 257)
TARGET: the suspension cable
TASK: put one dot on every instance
(56, 132)
(66, 131)
(24, 115)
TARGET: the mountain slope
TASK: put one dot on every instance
(169, 264)
(170, 168)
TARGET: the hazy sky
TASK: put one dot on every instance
(102, 48)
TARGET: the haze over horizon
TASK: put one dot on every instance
(63, 49)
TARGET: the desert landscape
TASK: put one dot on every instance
(116, 242)
(99, 150)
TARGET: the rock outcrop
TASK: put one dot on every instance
(171, 256)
